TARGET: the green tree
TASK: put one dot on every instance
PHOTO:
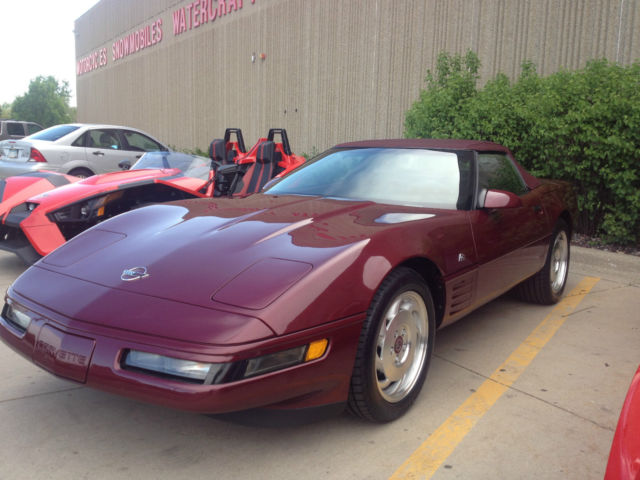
(5, 110)
(46, 102)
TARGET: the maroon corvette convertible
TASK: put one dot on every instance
(322, 291)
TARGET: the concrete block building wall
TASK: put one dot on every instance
(326, 70)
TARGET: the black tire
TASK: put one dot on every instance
(374, 394)
(547, 286)
(81, 172)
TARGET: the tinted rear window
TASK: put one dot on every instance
(14, 128)
(52, 134)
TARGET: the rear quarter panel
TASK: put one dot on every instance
(558, 197)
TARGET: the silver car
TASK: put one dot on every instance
(77, 149)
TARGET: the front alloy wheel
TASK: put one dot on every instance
(394, 349)
(402, 346)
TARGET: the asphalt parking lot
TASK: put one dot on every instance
(514, 391)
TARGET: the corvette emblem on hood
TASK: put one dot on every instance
(135, 273)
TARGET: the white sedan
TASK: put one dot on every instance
(75, 149)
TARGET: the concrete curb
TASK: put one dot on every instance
(617, 267)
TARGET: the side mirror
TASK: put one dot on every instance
(501, 199)
(124, 165)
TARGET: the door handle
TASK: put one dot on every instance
(138, 156)
(98, 152)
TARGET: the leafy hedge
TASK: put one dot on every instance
(582, 126)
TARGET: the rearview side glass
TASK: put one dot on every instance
(141, 143)
(103, 139)
(496, 171)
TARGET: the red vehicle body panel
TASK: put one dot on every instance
(52, 191)
(624, 459)
(227, 280)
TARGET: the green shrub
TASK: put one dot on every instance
(314, 153)
(582, 126)
(191, 151)
(442, 106)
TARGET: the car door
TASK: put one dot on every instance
(510, 242)
(138, 144)
(105, 149)
(137, 141)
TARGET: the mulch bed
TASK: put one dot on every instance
(594, 242)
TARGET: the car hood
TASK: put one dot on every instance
(19, 189)
(51, 190)
(293, 262)
(242, 252)
(116, 178)
(97, 184)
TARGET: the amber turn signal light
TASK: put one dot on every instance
(316, 349)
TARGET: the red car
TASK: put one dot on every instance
(624, 459)
(322, 291)
(39, 211)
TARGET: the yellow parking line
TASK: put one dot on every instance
(424, 462)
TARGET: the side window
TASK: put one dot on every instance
(496, 171)
(14, 128)
(80, 141)
(103, 139)
(141, 143)
(33, 128)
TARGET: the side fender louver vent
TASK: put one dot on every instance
(461, 295)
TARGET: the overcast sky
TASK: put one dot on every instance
(37, 39)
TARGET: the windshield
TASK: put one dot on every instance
(52, 134)
(189, 165)
(384, 175)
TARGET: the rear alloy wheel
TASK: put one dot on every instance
(81, 172)
(546, 286)
(395, 348)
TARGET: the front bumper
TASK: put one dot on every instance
(93, 356)
(30, 235)
(12, 239)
